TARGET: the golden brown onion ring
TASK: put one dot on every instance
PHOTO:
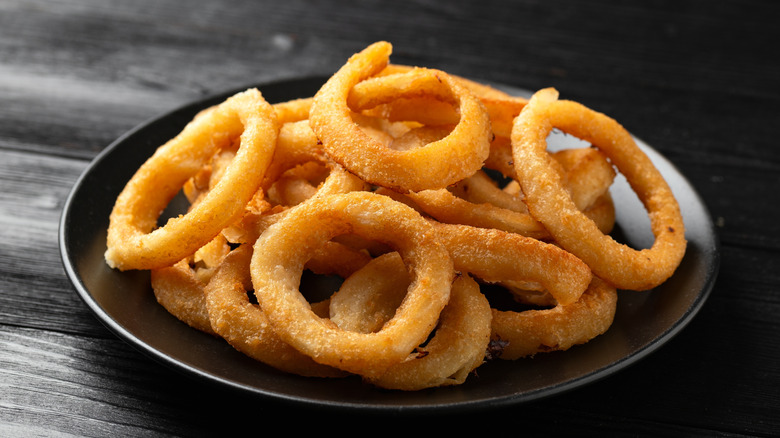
(528, 332)
(501, 106)
(131, 242)
(245, 326)
(479, 89)
(293, 110)
(448, 208)
(480, 188)
(457, 348)
(297, 146)
(283, 248)
(370, 297)
(551, 204)
(208, 176)
(494, 256)
(255, 221)
(435, 165)
(587, 175)
(297, 184)
(500, 157)
(179, 288)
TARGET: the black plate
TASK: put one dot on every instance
(125, 304)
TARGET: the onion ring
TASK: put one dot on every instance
(179, 288)
(551, 204)
(297, 146)
(207, 177)
(130, 242)
(501, 106)
(255, 221)
(457, 348)
(479, 89)
(587, 175)
(528, 332)
(245, 326)
(448, 208)
(602, 213)
(283, 248)
(293, 110)
(480, 188)
(298, 184)
(436, 165)
(370, 297)
(494, 256)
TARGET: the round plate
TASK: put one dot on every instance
(124, 302)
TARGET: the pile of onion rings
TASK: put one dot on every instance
(454, 236)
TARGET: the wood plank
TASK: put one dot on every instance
(34, 291)
(57, 383)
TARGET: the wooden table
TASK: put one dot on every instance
(697, 80)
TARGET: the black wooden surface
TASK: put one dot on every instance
(698, 80)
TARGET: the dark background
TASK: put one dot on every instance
(697, 80)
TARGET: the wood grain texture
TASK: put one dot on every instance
(696, 80)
